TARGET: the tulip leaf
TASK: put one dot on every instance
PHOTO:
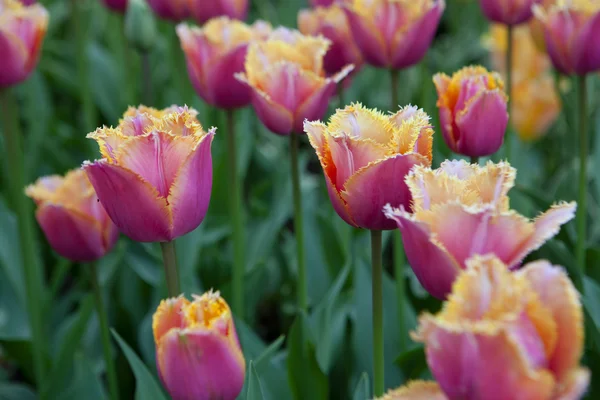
(146, 386)
(15, 391)
(412, 362)
(270, 351)
(362, 391)
(254, 391)
(86, 383)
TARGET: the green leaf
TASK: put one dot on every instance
(15, 391)
(270, 351)
(86, 384)
(254, 391)
(412, 362)
(146, 386)
(362, 391)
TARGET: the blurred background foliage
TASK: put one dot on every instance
(325, 354)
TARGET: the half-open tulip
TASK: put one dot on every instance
(216, 52)
(203, 10)
(198, 355)
(508, 12)
(571, 30)
(462, 209)
(116, 5)
(394, 33)
(288, 81)
(173, 10)
(365, 156)
(415, 390)
(504, 335)
(156, 175)
(74, 222)
(331, 22)
(22, 29)
(473, 110)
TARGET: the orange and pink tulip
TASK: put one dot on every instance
(475, 199)
(215, 53)
(73, 221)
(203, 10)
(508, 12)
(22, 30)
(156, 175)
(394, 33)
(287, 80)
(473, 110)
(507, 335)
(365, 156)
(198, 355)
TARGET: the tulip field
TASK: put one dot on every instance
(299, 199)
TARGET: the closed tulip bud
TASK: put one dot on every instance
(415, 390)
(22, 29)
(504, 335)
(365, 156)
(116, 5)
(140, 26)
(288, 83)
(394, 33)
(198, 355)
(156, 175)
(215, 53)
(508, 12)
(203, 10)
(461, 210)
(473, 110)
(332, 23)
(571, 30)
(172, 10)
(74, 222)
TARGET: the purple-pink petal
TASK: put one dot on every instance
(274, 116)
(224, 90)
(368, 39)
(586, 48)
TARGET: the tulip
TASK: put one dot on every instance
(331, 22)
(415, 390)
(473, 110)
(508, 12)
(72, 219)
(504, 335)
(327, 3)
(198, 355)
(173, 10)
(365, 156)
(27, 2)
(571, 31)
(116, 5)
(286, 76)
(216, 52)
(462, 209)
(156, 175)
(392, 33)
(22, 29)
(536, 27)
(203, 10)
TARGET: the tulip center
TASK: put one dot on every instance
(206, 310)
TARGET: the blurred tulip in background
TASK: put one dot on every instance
(508, 12)
(415, 390)
(203, 10)
(173, 10)
(116, 5)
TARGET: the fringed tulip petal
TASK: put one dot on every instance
(169, 316)
(416, 390)
(368, 38)
(574, 385)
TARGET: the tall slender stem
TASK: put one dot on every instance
(377, 282)
(85, 92)
(237, 227)
(147, 77)
(34, 283)
(581, 204)
(509, 64)
(474, 160)
(170, 263)
(340, 92)
(111, 373)
(298, 227)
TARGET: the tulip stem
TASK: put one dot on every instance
(509, 63)
(34, 284)
(111, 373)
(581, 206)
(170, 262)
(298, 227)
(85, 93)
(147, 77)
(340, 92)
(377, 294)
(475, 160)
(237, 228)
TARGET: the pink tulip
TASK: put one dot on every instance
(473, 110)
(172, 10)
(571, 32)
(391, 33)
(327, 3)
(286, 76)
(116, 5)
(504, 335)
(71, 217)
(198, 355)
(203, 10)
(508, 12)
(27, 2)
(156, 175)
(462, 209)
(22, 29)
(365, 156)
(415, 390)
(215, 53)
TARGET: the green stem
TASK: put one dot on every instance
(298, 227)
(475, 160)
(394, 89)
(170, 263)
(377, 282)
(147, 79)
(34, 283)
(85, 93)
(111, 372)
(581, 204)
(237, 227)
(340, 92)
(509, 63)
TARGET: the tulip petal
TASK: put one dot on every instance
(586, 52)
(574, 386)
(132, 203)
(168, 316)
(225, 91)
(416, 390)
(368, 38)
(14, 57)
(559, 34)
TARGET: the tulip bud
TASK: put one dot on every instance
(71, 217)
(173, 10)
(116, 5)
(203, 10)
(155, 177)
(198, 355)
(473, 201)
(473, 110)
(508, 12)
(22, 29)
(140, 26)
